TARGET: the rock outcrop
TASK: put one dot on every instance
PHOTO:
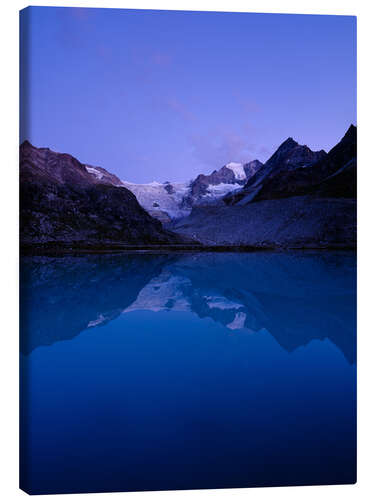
(64, 201)
(208, 189)
(298, 199)
(296, 171)
(297, 222)
(234, 174)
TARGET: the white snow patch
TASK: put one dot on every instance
(96, 322)
(94, 171)
(220, 302)
(162, 293)
(237, 169)
(218, 190)
(238, 322)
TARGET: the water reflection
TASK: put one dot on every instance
(297, 297)
(149, 372)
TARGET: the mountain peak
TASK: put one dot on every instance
(237, 169)
(26, 145)
(289, 143)
(351, 133)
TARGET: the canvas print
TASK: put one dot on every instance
(188, 250)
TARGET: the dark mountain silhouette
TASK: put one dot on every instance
(87, 291)
(338, 171)
(64, 201)
(288, 156)
(294, 171)
(298, 199)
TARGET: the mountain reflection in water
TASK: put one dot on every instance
(179, 371)
(297, 297)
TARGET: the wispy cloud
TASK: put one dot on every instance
(180, 108)
(218, 148)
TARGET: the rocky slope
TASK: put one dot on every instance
(288, 158)
(297, 222)
(64, 201)
(298, 199)
(296, 170)
(231, 176)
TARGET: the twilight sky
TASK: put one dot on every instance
(158, 95)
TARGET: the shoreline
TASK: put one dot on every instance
(56, 249)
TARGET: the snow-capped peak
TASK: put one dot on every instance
(165, 197)
(237, 169)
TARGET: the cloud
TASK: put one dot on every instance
(217, 149)
(178, 107)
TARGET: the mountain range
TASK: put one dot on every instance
(169, 200)
(64, 202)
(298, 198)
(295, 170)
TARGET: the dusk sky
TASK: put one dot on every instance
(163, 95)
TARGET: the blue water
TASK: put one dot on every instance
(144, 372)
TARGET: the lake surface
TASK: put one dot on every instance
(142, 372)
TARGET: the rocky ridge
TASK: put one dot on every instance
(298, 198)
(65, 201)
